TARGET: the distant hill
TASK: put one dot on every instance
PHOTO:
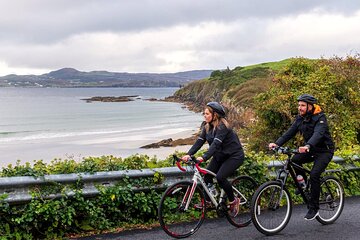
(70, 77)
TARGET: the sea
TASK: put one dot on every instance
(48, 123)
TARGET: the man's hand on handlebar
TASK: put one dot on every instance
(304, 149)
(272, 146)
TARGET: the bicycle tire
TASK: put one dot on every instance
(246, 185)
(267, 215)
(331, 201)
(176, 221)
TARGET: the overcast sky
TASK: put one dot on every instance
(38, 36)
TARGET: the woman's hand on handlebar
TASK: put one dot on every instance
(186, 158)
(200, 159)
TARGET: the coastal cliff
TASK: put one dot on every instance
(260, 100)
(235, 89)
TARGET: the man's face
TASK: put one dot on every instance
(303, 107)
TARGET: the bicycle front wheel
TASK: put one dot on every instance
(271, 208)
(331, 201)
(244, 188)
(181, 215)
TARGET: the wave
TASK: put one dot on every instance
(43, 135)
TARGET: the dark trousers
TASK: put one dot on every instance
(224, 167)
(321, 160)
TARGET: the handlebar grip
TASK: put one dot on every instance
(180, 167)
(197, 161)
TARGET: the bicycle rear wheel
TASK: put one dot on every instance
(246, 186)
(177, 220)
(271, 208)
(331, 201)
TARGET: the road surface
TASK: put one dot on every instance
(346, 227)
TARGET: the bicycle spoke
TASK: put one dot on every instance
(331, 200)
(244, 187)
(271, 208)
(175, 218)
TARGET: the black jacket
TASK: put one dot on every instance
(315, 131)
(223, 141)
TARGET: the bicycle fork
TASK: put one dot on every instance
(282, 182)
(188, 196)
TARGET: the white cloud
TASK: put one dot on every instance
(169, 36)
(315, 34)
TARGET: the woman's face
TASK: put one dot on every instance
(207, 115)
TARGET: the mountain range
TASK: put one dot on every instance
(70, 77)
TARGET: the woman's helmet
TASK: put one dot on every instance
(307, 98)
(217, 107)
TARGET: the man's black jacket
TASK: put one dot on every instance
(315, 131)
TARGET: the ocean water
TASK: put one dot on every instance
(48, 123)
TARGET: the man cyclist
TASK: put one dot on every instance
(318, 146)
(224, 148)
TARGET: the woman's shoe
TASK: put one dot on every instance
(234, 207)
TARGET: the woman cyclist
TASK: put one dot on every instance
(224, 148)
(318, 145)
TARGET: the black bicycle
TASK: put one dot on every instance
(182, 207)
(271, 204)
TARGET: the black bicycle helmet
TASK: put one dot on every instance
(217, 108)
(307, 98)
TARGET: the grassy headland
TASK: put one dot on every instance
(261, 98)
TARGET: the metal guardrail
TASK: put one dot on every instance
(18, 189)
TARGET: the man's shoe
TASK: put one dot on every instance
(234, 207)
(208, 205)
(312, 214)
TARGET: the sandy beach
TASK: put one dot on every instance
(79, 147)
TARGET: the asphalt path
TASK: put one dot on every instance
(346, 227)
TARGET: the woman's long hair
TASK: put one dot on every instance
(216, 120)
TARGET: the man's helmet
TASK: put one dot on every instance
(307, 98)
(217, 108)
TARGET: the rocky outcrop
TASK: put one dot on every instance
(110, 99)
(172, 143)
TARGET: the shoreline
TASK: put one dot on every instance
(98, 129)
(78, 148)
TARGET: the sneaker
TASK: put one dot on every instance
(312, 214)
(234, 207)
(208, 204)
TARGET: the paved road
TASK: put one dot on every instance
(346, 227)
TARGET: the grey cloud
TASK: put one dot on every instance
(46, 21)
(144, 35)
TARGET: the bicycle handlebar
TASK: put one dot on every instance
(285, 150)
(192, 161)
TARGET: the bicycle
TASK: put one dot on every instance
(271, 204)
(182, 207)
